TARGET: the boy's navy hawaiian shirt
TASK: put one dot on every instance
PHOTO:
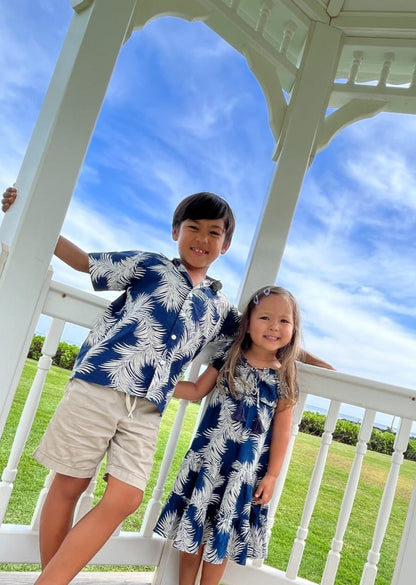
(146, 337)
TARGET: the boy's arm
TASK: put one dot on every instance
(195, 391)
(308, 358)
(65, 250)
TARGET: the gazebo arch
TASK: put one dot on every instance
(352, 58)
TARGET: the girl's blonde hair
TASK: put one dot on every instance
(286, 355)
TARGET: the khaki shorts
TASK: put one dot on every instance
(92, 421)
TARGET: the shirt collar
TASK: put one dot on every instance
(212, 283)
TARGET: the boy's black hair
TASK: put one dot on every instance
(205, 205)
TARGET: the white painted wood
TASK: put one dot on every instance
(28, 414)
(10, 375)
(85, 578)
(308, 104)
(51, 166)
(334, 556)
(274, 502)
(406, 559)
(313, 491)
(366, 40)
(370, 569)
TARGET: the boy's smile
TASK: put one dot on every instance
(200, 242)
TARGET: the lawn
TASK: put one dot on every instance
(359, 533)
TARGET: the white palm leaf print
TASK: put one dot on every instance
(104, 324)
(117, 274)
(169, 522)
(160, 382)
(206, 319)
(149, 339)
(258, 543)
(85, 367)
(135, 311)
(186, 536)
(210, 316)
(200, 499)
(192, 462)
(236, 544)
(126, 370)
(168, 294)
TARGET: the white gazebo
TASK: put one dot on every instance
(352, 58)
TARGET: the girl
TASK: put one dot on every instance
(217, 509)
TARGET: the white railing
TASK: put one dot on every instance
(18, 543)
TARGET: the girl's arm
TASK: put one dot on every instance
(197, 390)
(72, 255)
(313, 360)
(280, 439)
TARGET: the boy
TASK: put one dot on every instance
(140, 347)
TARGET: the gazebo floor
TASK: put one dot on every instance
(86, 578)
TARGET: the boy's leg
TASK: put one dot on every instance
(58, 513)
(189, 566)
(86, 538)
(212, 574)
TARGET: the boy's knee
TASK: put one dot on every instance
(122, 496)
(68, 486)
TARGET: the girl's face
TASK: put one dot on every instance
(271, 323)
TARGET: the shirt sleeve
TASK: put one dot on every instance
(218, 357)
(114, 270)
(229, 326)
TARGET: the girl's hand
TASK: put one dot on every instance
(264, 492)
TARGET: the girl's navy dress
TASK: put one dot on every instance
(212, 501)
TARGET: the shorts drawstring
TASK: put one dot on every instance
(130, 405)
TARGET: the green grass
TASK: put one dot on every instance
(358, 537)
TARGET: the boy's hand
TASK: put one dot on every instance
(9, 197)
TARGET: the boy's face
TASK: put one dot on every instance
(200, 242)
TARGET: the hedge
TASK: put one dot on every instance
(346, 432)
(65, 355)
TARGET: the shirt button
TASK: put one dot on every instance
(173, 336)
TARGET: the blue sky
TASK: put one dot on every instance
(183, 114)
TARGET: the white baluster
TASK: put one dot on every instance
(334, 556)
(264, 14)
(288, 33)
(355, 66)
(41, 499)
(49, 348)
(86, 499)
(400, 445)
(235, 4)
(274, 502)
(413, 82)
(389, 58)
(155, 503)
(315, 483)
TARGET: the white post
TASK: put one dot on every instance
(405, 568)
(304, 114)
(313, 491)
(369, 574)
(49, 173)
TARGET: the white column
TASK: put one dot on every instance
(304, 114)
(49, 173)
(405, 568)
